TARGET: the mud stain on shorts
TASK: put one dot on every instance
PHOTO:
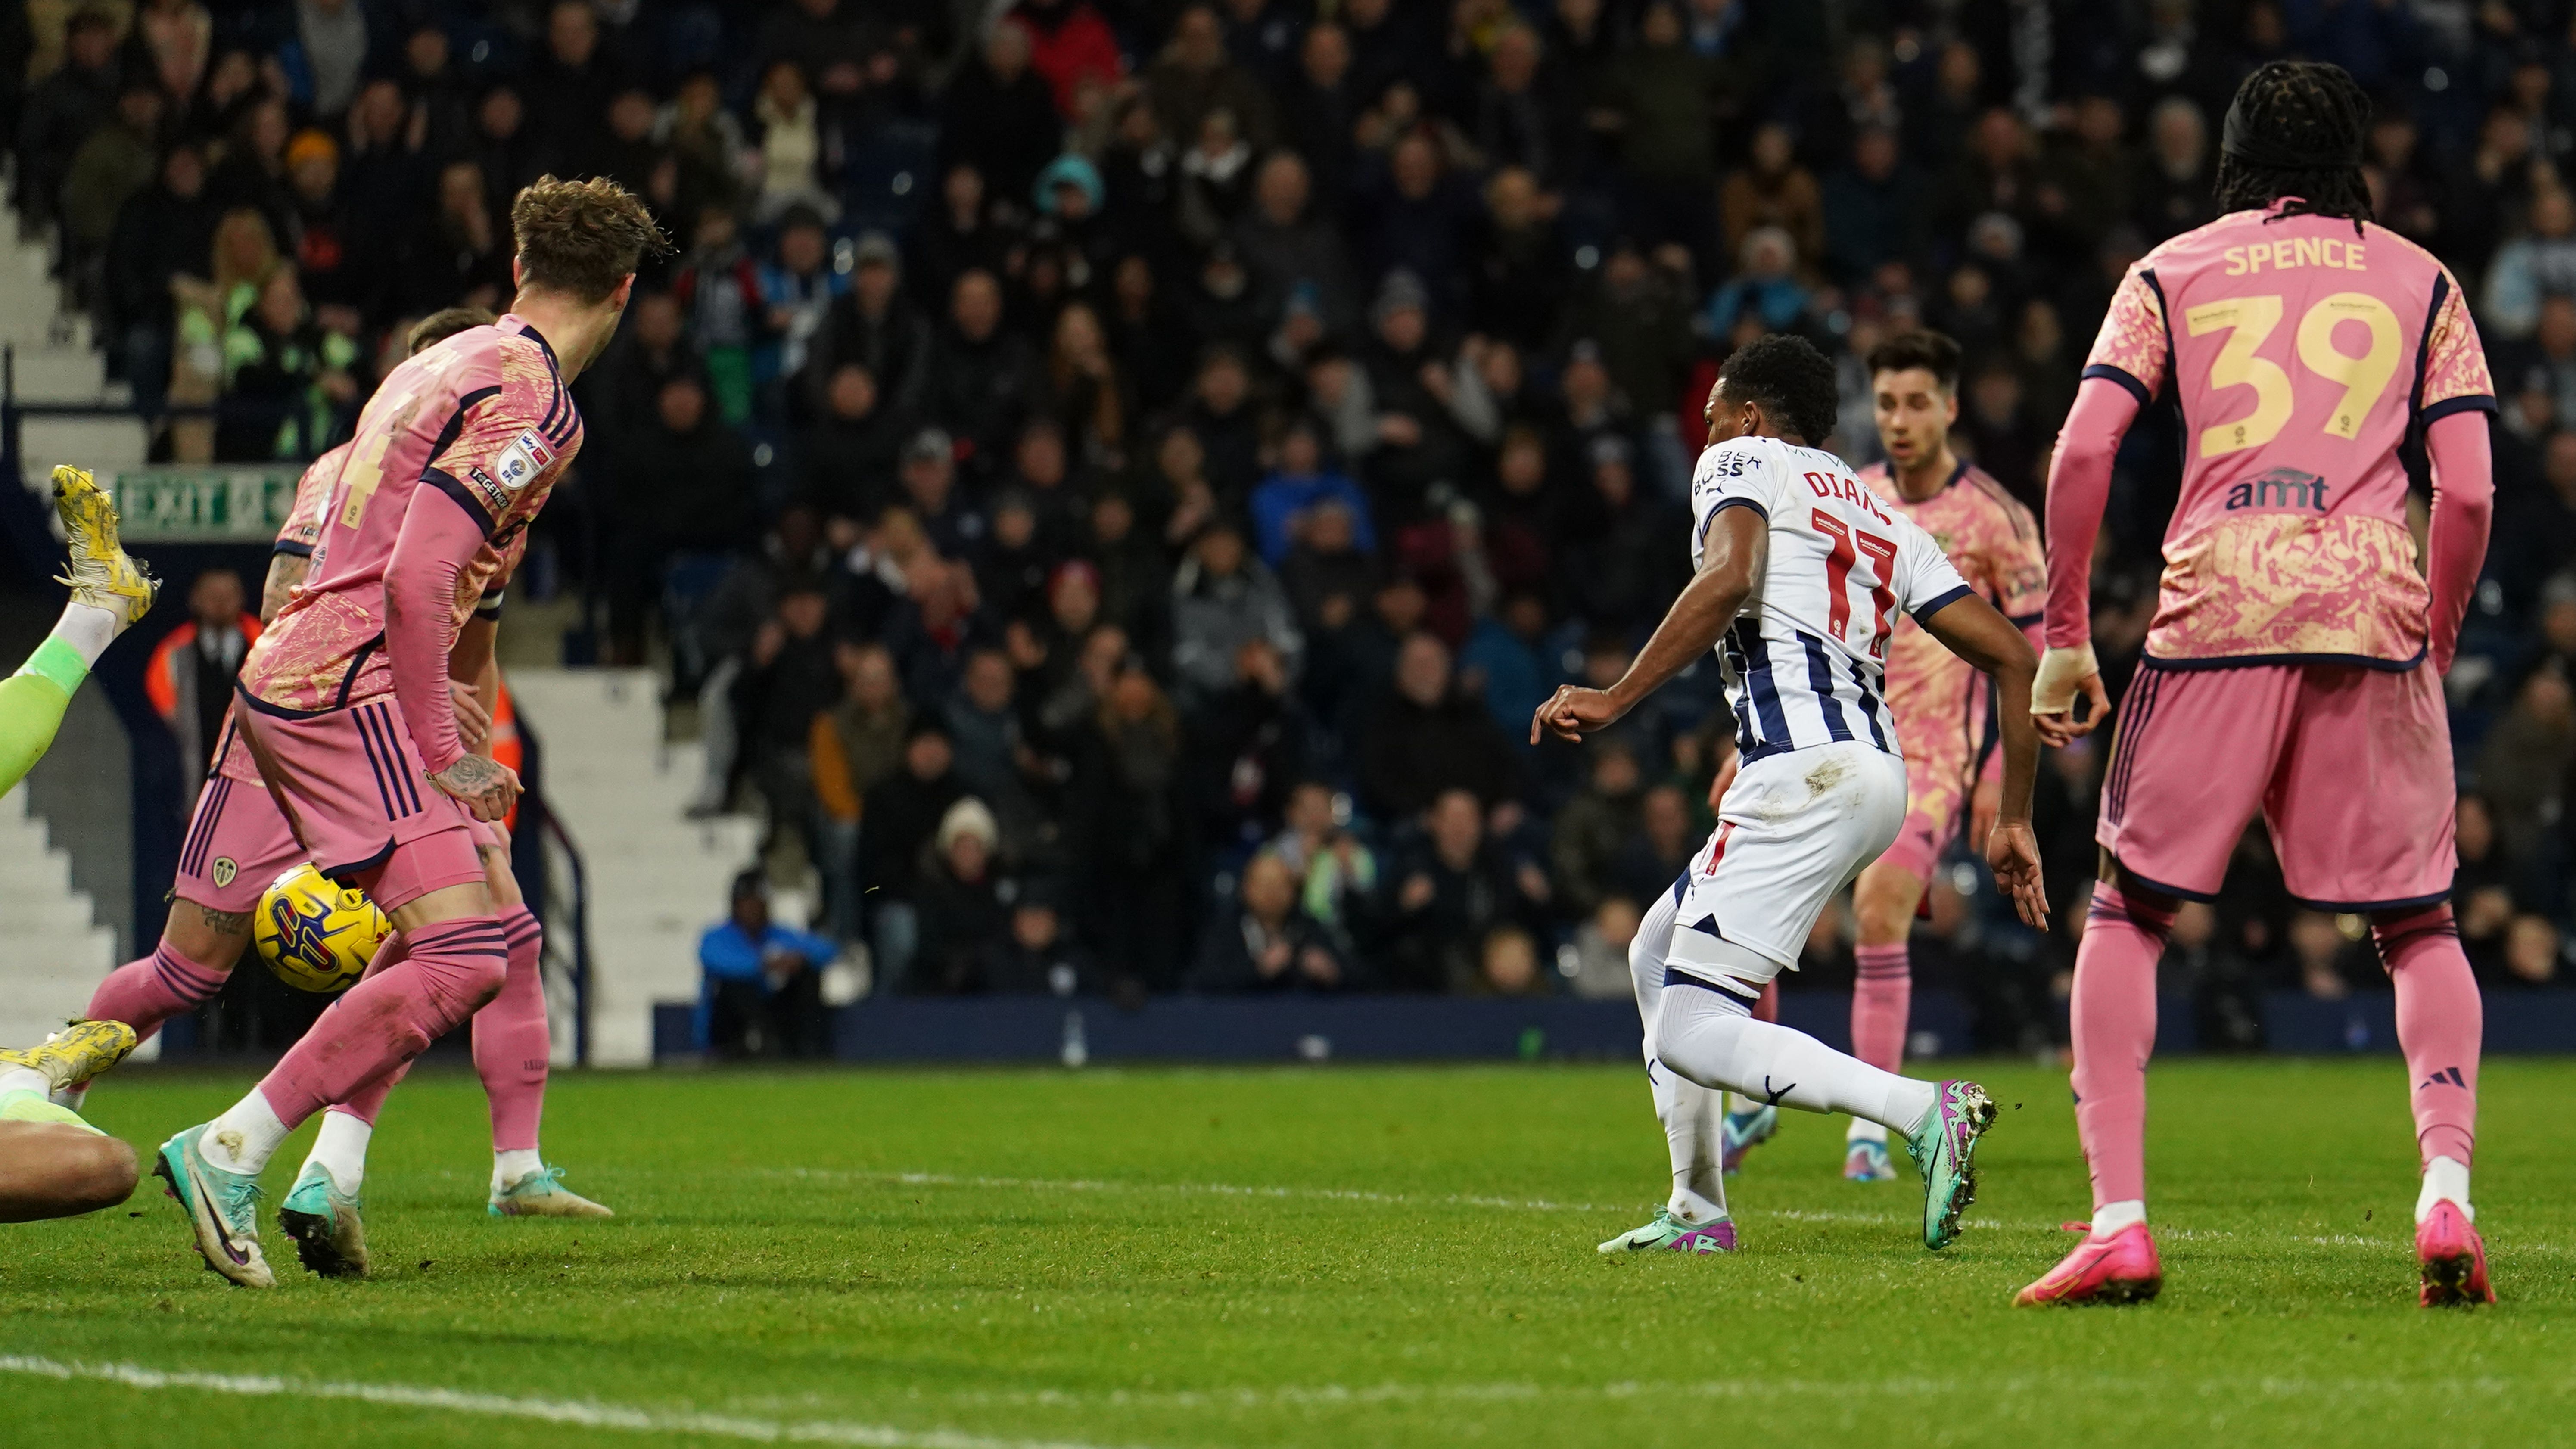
(1827, 777)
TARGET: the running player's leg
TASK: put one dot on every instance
(110, 592)
(2362, 817)
(237, 842)
(2192, 755)
(417, 859)
(1804, 823)
(1694, 1217)
(53, 1164)
(1884, 900)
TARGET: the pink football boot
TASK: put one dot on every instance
(2454, 1258)
(2121, 1268)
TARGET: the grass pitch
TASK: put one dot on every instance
(1341, 1256)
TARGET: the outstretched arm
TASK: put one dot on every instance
(1739, 542)
(2079, 484)
(1972, 629)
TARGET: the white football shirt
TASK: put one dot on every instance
(1806, 662)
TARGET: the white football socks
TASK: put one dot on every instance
(1711, 1038)
(2445, 1179)
(25, 1079)
(1864, 1130)
(341, 1149)
(509, 1167)
(245, 1137)
(2112, 1217)
(88, 630)
(1694, 1119)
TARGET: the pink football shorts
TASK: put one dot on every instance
(237, 844)
(2350, 767)
(1936, 810)
(354, 791)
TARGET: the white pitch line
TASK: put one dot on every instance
(1452, 1200)
(1858, 1386)
(585, 1414)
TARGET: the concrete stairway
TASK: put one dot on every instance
(54, 361)
(657, 878)
(56, 953)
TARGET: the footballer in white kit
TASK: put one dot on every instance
(1798, 574)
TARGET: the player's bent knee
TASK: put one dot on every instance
(1883, 902)
(205, 936)
(2396, 930)
(84, 1172)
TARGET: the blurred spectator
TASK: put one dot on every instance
(117, 160)
(1268, 944)
(161, 232)
(848, 456)
(999, 117)
(874, 325)
(899, 818)
(1508, 965)
(2522, 769)
(853, 747)
(1249, 742)
(1772, 190)
(1036, 956)
(1450, 890)
(1600, 952)
(763, 988)
(1281, 506)
(1124, 829)
(980, 380)
(1426, 740)
(1222, 599)
(189, 678)
(959, 900)
(1593, 827)
(64, 108)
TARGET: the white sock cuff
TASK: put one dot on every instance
(2446, 1179)
(2112, 1217)
(508, 1167)
(341, 1148)
(88, 629)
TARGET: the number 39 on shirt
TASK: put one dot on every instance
(2248, 321)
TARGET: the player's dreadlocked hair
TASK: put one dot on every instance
(1788, 378)
(2295, 129)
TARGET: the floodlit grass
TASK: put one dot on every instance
(1339, 1256)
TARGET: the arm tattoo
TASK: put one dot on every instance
(285, 571)
(224, 923)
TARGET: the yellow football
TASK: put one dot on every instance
(315, 935)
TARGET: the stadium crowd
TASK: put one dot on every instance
(1117, 475)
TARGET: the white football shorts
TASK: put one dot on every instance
(1793, 829)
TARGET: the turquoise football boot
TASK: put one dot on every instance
(1742, 1132)
(222, 1209)
(1867, 1161)
(1670, 1234)
(330, 1236)
(541, 1194)
(1945, 1149)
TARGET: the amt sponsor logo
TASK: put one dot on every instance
(2280, 488)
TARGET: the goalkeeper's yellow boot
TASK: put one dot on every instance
(80, 1051)
(103, 575)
